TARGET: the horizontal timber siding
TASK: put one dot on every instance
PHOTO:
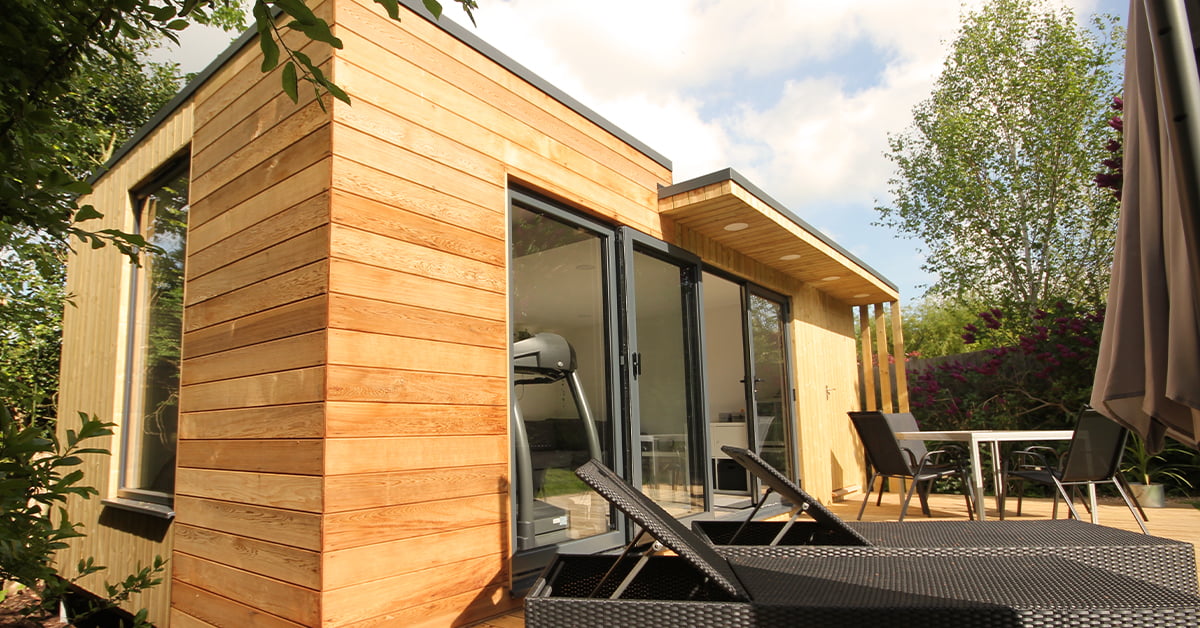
(249, 487)
(93, 374)
(416, 529)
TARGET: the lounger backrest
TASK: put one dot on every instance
(662, 526)
(789, 491)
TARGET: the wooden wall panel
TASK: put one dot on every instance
(275, 525)
(193, 604)
(302, 567)
(416, 457)
(298, 604)
(298, 456)
(348, 605)
(249, 490)
(366, 490)
(93, 374)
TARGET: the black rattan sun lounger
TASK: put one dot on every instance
(1160, 561)
(699, 587)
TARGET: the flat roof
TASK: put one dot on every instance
(450, 27)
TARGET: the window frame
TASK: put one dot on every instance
(132, 497)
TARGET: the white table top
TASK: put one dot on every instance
(987, 435)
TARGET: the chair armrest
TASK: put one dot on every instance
(957, 453)
(1034, 457)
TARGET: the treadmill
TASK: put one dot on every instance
(544, 358)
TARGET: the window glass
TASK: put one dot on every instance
(153, 410)
(558, 289)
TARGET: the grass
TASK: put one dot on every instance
(562, 482)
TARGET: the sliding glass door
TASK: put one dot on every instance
(663, 372)
(749, 390)
(565, 396)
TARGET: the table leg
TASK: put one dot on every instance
(1092, 501)
(977, 481)
(997, 474)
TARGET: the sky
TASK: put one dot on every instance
(799, 96)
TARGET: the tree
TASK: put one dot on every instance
(44, 46)
(995, 175)
(933, 327)
(101, 106)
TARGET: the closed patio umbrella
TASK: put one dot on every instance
(1148, 372)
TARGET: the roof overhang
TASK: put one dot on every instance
(717, 206)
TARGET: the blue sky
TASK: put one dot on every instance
(797, 95)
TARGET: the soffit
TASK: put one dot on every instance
(772, 236)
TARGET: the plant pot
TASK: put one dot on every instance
(1148, 495)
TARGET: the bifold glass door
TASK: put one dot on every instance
(663, 372)
(749, 394)
(565, 407)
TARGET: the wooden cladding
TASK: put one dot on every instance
(884, 383)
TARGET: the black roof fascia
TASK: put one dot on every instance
(729, 174)
(176, 102)
(450, 27)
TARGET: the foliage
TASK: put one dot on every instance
(995, 174)
(31, 302)
(102, 106)
(1172, 465)
(37, 475)
(933, 327)
(1038, 380)
(44, 46)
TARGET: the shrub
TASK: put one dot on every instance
(1037, 378)
(37, 474)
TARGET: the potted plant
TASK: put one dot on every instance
(1148, 470)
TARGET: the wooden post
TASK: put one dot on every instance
(885, 369)
(868, 359)
(901, 359)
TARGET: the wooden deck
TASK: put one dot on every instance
(1179, 521)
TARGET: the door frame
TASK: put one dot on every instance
(631, 241)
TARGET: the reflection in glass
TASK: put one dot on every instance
(665, 386)
(557, 286)
(770, 371)
(152, 426)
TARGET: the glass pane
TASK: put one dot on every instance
(152, 428)
(557, 287)
(665, 387)
(770, 371)
(724, 361)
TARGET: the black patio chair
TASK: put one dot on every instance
(907, 460)
(1093, 457)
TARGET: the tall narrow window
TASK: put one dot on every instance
(152, 415)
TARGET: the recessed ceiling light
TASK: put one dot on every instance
(862, 295)
(736, 226)
(831, 278)
(789, 257)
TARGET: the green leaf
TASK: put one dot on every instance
(78, 187)
(289, 81)
(266, 36)
(298, 10)
(434, 7)
(337, 92)
(392, 7)
(178, 25)
(318, 31)
(87, 212)
(163, 13)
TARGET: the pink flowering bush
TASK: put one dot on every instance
(1038, 374)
